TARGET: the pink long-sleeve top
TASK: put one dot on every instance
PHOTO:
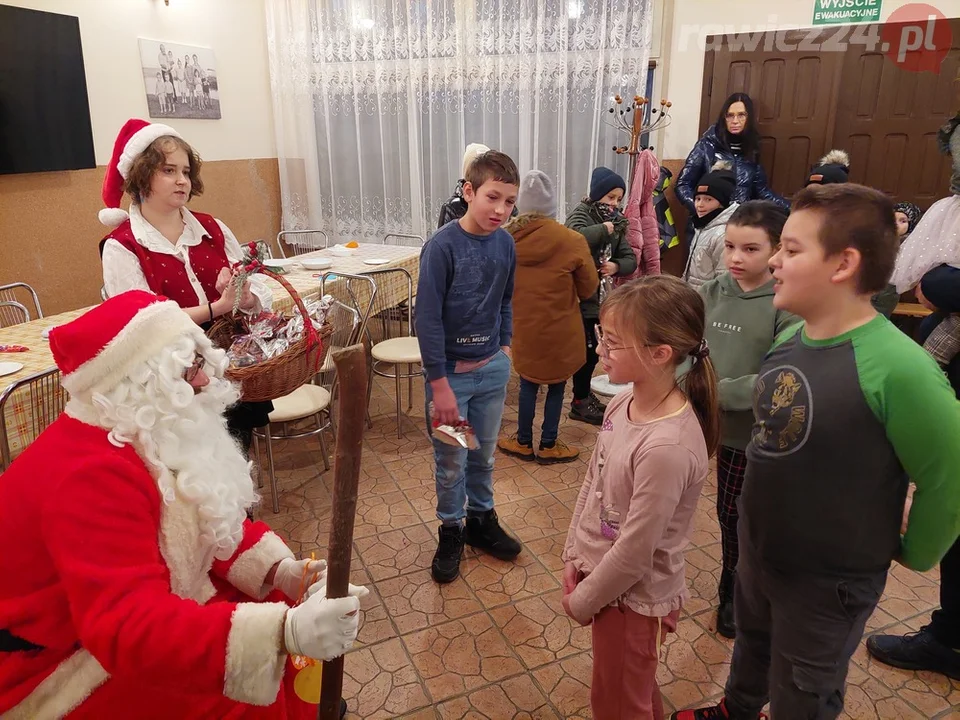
(646, 477)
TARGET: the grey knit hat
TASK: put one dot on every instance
(537, 195)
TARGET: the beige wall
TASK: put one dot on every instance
(48, 221)
(50, 233)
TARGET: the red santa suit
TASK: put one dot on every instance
(112, 604)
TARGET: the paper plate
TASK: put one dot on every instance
(375, 261)
(9, 368)
(601, 385)
(280, 262)
(318, 264)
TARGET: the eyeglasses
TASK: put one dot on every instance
(737, 116)
(602, 342)
(190, 374)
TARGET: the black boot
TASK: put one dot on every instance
(587, 410)
(446, 563)
(484, 533)
(726, 624)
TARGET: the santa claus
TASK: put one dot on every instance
(133, 584)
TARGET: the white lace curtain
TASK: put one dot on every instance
(375, 100)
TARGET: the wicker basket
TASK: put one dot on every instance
(279, 375)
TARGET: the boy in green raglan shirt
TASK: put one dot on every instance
(847, 409)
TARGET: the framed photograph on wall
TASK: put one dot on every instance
(180, 80)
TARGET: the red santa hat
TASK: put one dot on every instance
(101, 347)
(135, 136)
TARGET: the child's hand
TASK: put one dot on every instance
(609, 226)
(906, 509)
(569, 578)
(923, 300)
(566, 608)
(609, 269)
(445, 409)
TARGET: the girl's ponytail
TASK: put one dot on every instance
(700, 386)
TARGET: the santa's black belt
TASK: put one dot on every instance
(11, 643)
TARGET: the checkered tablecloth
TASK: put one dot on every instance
(391, 287)
(17, 417)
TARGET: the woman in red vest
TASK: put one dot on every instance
(163, 247)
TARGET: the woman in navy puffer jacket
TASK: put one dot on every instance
(733, 138)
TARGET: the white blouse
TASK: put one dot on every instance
(122, 270)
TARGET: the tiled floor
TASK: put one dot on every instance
(495, 643)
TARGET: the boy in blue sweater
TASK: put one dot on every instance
(464, 324)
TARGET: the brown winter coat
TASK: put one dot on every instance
(555, 271)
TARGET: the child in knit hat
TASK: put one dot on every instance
(599, 220)
(714, 205)
(456, 207)
(834, 167)
(554, 272)
(907, 216)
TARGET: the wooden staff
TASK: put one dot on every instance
(351, 367)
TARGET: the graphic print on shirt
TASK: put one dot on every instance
(783, 407)
(609, 518)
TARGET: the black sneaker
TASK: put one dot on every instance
(446, 563)
(586, 411)
(916, 651)
(343, 708)
(484, 533)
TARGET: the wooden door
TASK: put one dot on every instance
(887, 120)
(792, 92)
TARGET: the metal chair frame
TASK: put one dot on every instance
(46, 400)
(7, 307)
(7, 293)
(376, 366)
(324, 418)
(298, 248)
(400, 237)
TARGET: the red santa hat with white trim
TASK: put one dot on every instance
(135, 136)
(100, 348)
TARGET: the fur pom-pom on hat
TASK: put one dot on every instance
(721, 165)
(833, 168)
(134, 137)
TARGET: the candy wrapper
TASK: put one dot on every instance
(244, 351)
(460, 434)
(606, 282)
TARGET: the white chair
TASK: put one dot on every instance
(297, 242)
(398, 351)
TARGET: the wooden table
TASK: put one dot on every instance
(391, 288)
(16, 417)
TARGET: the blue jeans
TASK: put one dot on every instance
(465, 477)
(552, 407)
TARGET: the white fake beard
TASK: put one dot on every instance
(182, 437)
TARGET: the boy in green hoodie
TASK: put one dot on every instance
(741, 326)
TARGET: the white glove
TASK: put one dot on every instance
(322, 628)
(289, 575)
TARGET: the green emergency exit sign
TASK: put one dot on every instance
(845, 12)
